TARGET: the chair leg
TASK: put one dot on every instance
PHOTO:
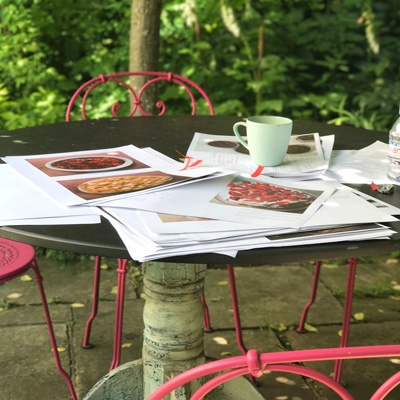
(95, 303)
(351, 277)
(314, 287)
(60, 369)
(207, 321)
(236, 314)
(235, 306)
(119, 313)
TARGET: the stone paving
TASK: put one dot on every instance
(271, 299)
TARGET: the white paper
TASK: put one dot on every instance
(305, 155)
(345, 207)
(367, 165)
(212, 199)
(22, 203)
(71, 187)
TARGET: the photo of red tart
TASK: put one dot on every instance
(252, 193)
(89, 164)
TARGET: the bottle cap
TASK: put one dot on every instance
(396, 126)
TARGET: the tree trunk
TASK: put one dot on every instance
(144, 45)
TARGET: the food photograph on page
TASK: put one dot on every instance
(247, 192)
(86, 163)
(118, 184)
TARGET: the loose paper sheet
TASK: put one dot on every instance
(307, 157)
(22, 203)
(90, 176)
(218, 199)
(367, 165)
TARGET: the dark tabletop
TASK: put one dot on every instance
(171, 136)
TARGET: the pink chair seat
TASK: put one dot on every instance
(15, 259)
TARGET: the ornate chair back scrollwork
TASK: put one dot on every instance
(196, 95)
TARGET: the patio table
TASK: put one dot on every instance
(173, 317)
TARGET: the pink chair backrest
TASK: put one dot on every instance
(188, 85)
(257, 364)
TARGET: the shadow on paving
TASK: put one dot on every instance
(271, 299)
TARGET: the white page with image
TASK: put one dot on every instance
(91, 176)
(308, 153)
(22, 203)
(289, 204)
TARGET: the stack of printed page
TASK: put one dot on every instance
(213, 201)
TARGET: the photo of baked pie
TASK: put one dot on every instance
(122, 184)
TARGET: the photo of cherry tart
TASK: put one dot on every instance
(261, 194)
(89, 163)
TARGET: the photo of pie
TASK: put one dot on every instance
(89, 164)
(252, 193)
(298, 149)
(223, 144)
(122, 184)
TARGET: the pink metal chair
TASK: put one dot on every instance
(194, 93)
(15, 260)
(352, 265)
(257, 364)
(351, 278)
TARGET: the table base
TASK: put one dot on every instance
(126, 383)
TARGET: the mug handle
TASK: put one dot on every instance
(237, 134)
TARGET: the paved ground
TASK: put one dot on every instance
(270, 297)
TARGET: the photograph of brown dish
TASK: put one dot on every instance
(226, 144)
(241, 149)
(306, 138)
(122, 184)
(89, 164)
(298, 149)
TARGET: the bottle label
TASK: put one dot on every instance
(394, 150)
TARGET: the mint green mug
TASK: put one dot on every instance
(267, 138)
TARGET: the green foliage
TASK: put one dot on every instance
(47, 49)
(331, 61)
(58, 256)
(328, 61)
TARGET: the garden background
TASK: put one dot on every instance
(333, 61)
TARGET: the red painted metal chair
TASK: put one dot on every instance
(15, 260)
(351, 278)
(186, 87)
(352, 267)
(286, 361)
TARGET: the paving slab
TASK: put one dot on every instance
(92, 364)
(374, 275)
(27, 365)
(269, 295)
(65, 283)
(360, 377)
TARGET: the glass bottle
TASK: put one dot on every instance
(394, 152)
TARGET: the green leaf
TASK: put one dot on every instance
(310, 328)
